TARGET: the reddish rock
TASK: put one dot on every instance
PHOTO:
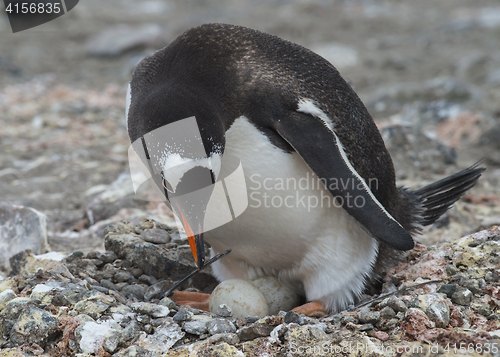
(416, 323)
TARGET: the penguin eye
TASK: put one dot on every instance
(167, 186)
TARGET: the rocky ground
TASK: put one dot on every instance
(429, 74)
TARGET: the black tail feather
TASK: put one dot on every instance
(438, 197)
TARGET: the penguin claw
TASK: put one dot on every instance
(311, 309)
(192, 299)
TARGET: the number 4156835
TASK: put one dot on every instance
(33, 8)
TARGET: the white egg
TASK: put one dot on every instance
(241, 296)
(279, 296)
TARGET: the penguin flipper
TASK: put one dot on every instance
(328, 160)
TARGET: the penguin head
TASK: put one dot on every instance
(183, 140)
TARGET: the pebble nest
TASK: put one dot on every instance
(440, 300)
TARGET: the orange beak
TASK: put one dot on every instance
(196, 242)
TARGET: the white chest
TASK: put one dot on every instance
(292, 227)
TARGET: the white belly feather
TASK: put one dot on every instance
(291, 228)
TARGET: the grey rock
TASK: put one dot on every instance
(168, 303)
(346, 318)
(387, 313)
(91, 307)
(396, 304)
(21, 228)
(224, 311)
(33, 326)
(136, 272)
(292, 317)
(153, 310)
(155, 235)
(97, 262)
(164, 337)
(197, 325)
(120, 309)
(183, 315)
(255, 330)
(492, 277)
(109, 285)
(447, 289)
(77, 254)
(217, 326)
(388, 324)
(108, 257)
(148, 279)
(123, 276)
(229, 338)
(435, 307)
(365, 327)
(365, 316)
(148, 328)
(154, 261)
(101, 289)
(119, 39)
(132, 351)
(133, 290)
(113, 338)
(482, 308)
(5, 297)
(451, 270)
(474, 285)
(462, 296)
(130, 331)
(143, 319)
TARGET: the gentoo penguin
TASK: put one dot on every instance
(287, 115)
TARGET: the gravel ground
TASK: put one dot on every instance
(427, 71)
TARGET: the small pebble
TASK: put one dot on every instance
(135, 290)
(108, 257)
(381, 335)
(97, 262)
(396, 304)
(365, 316)
(224, 311)
(101, 289)
(77, 254)
(109, 285)
(447, 289)
(183, 315)
(482, 309)
(365, 327)
(153, 310)
(136, 272)
(197, 325)
(451, 270)
(155, 235)
(387, 313)
(491, 277)
(216, 326)
(168, 303)
(148, 279)
(292, 317)
(123, 276)
(462, 297)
